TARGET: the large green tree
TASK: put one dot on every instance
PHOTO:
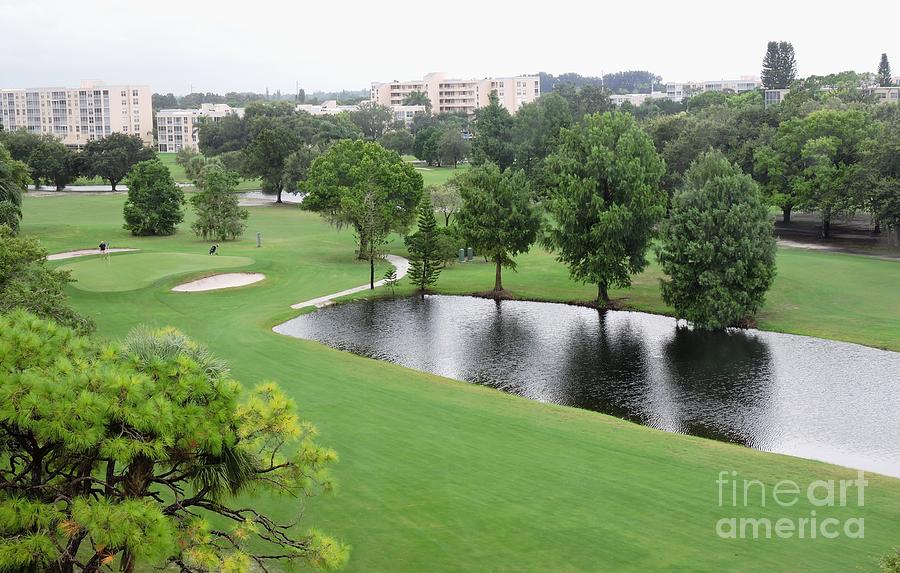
(585, 100)
(884, 72)
(399, 140)
(113, 156)
(879, 177)
(296, 167)
(605, 200)
(812, 163)
(361, 184)
(779, 69)
(27, 283)
(131, 456)
(53, 162)
(373, 120)
(155, 203)
(219, 214)
(493, 138)
(535, 130)
(271, 141)
(717, 245)
(13, 183)
(498, 216)
(424, 246)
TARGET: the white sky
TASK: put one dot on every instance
(346, 44)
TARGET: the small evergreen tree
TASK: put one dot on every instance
(884, 71)
(390, 279)
(154, 204)
(717, 245)
(425, 254)
(219, 214)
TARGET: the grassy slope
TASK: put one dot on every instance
(438, 475)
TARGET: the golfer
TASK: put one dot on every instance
(214, 250)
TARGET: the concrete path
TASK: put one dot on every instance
(84, 253)
(401, 264)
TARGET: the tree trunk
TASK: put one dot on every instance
(602, 295)
(280, 190)
(877, 229)
(113, 183)
(826, 227)
(446, 219)
(786, 214)
(371, 272)
(498, 282)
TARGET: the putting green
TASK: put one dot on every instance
(135, 271)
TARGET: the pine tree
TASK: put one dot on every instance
(770, 67)
(779, 66)
(884, 71)
(424, 248)
(787, 65)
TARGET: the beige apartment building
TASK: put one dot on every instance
(82, 114)
(449, 95)
(176, 129)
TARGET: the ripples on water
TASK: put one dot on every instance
(796, 395)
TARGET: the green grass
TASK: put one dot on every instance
(438, 475)
(178, 174)
(177, 171)
(439, 175)
(131, 271)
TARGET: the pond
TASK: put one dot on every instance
(819, 399)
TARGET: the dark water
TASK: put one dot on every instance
(802, 396)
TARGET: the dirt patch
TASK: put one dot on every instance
(216, 282)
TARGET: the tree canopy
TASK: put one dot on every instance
(154, 203)
(26, 282)
(219, 214)
(13, 182)
(884, 71)
(132, 455)
(498, 217)
(340, 180)
(779, 69)
(605, 200)
(493, 125)
(717, 246)
(113, 156)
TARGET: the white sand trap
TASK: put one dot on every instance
(84, 253)
(226, 280)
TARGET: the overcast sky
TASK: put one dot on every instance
(347, 44)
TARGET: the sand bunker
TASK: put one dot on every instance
(227, 280)
(83, 253)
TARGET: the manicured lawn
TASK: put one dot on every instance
(438, 475)
(177, 171)
(438, 175)
(131, 271)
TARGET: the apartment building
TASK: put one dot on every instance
(176, 129)
(677, 91)
(78, 115)
(329, 107)
(635, 99)
(450, 95)
(889, 94)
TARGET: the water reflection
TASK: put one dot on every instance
(790, 394)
